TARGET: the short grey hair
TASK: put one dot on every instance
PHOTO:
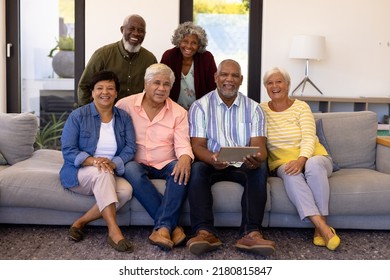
(189, 28)
(228, 61)
(156, 69)
(277, 70)
(127, 18)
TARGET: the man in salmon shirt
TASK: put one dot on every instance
(163, 152)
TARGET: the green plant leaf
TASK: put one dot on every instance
(48, 136)
(65, 43)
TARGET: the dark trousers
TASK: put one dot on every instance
(254, 197)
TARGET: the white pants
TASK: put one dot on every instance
(309, 191)
(107, 188)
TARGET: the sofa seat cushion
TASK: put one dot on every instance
(352, 192)
(359, 191)
(35, 183)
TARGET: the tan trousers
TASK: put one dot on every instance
(107, 188)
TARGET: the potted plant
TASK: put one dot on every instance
(63, 60)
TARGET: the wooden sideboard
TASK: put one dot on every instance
(379, 105)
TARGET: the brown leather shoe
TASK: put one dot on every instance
(122, 246)
(76, 234)
(203, 242)
(255, 243)
(161, 238)
(178, 236)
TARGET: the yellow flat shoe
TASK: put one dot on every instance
(319, 241)
(334, 242)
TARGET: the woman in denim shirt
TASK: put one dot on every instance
(97, 141)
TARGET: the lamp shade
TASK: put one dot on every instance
(308, 47)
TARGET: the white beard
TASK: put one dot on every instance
(130, 48)
(228, 94)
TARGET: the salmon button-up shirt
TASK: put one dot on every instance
(162, 140)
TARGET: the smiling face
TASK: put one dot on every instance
(277, 87)
(189, 46)
(133, 33)
(228, 79)
(157, 89)
(104, 94)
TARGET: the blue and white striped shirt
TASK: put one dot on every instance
(210, 118)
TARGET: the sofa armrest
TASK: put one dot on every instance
(383, 154)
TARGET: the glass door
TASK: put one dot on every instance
(34, 30)
(47, 57)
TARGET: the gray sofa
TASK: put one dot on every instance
(31, 193)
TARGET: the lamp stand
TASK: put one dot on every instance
(306, 79)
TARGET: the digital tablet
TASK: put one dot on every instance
(234, 154)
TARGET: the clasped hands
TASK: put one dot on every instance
(103, 164)
(251, 161)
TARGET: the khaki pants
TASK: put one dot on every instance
(107, 188)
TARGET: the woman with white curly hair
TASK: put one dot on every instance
(193, 65)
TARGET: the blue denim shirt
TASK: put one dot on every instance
(81, 134)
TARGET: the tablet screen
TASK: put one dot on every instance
(235, 154)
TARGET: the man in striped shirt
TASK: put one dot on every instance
(225, 117)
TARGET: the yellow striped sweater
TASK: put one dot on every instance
(291, 134)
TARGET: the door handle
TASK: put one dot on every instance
(9, 46)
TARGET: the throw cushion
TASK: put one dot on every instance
(321, 137)
(17, 137)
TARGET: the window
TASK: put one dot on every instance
(254, 42)
(227, 26)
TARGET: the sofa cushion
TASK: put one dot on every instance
(35, 183)
(358, 191)
(354, 191)
(351, 137)
(321, 136)
(17, 137)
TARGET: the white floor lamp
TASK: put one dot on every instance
(307, 47)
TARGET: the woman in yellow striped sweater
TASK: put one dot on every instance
(297, 157)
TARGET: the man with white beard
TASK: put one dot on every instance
(126, 58)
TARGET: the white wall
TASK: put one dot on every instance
(3, 103)
(356, 64)
(103, 21)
